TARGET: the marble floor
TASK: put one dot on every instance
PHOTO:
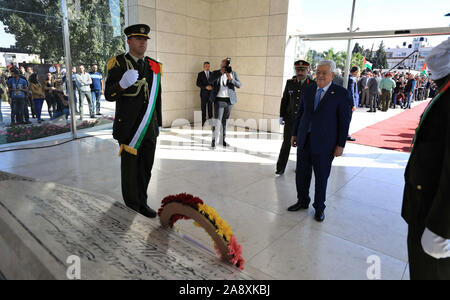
(363, 206)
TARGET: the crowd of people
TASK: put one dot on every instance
(381, 91)
(26, 90)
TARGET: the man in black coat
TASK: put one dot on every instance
(134, 83)
(289, 106)
(205, 91)
(426, 201)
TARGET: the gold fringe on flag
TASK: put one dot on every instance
(127, 149)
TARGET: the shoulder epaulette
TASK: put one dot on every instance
(113, 62)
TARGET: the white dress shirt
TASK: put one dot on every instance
(223, 91)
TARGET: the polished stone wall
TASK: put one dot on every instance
(185, 33)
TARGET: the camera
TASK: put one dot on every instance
(228, 68)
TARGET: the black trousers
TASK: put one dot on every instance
(306, 162)
(285, 151)
(206, 104)
(421, 265)
(136, 173)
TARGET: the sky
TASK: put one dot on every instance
(328, 16)
(6, 40)
(331, 16)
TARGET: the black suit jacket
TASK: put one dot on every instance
(131, 110)
(426, 199)
(202, 83)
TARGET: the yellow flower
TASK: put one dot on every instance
(223, 229)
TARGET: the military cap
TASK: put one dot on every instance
(301, 64)
(137, 30)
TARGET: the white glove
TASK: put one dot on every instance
(435, 245)
(281, 121)
(129, 78)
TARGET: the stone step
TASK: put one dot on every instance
(43, 224)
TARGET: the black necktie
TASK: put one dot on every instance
(141, 66)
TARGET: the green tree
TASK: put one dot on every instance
(358, 48)
(37, 26)
(337, 57)
(380, 61)
(313, 57)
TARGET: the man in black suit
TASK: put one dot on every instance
(205, 91)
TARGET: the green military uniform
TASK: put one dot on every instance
(426, 201)
(137, 107)
(288, 108)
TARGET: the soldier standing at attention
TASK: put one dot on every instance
(289, 107)
(426, 200)
(134, 83)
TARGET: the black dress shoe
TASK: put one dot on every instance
(297, 206)
(351, 139)
(279, 172)
(147, 212)
(319, 216)
(225, 144)
(213, 144)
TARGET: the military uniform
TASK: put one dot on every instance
(288, 108)
(58, 79)
(132, 107)
(426, 201)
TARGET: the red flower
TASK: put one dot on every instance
(156, 68)
(185, 199)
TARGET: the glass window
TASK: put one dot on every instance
(31, 38)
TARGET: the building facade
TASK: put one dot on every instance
(11, 56)
(419, 46)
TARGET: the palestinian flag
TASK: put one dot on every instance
(424, 70)
(367, 64)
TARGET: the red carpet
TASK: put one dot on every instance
(395, 133)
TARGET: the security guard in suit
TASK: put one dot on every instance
(134, 83)
(289, 107)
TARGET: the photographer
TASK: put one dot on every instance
(224, 83)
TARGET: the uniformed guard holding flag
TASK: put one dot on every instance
(134, 83)
(289, 107)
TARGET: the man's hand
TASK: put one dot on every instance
(129, 78)
(338, 151)
(354, 108)
(209, 88)
(294, 141)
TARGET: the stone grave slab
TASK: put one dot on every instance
(42, 224)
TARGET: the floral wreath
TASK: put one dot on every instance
(185, 206)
